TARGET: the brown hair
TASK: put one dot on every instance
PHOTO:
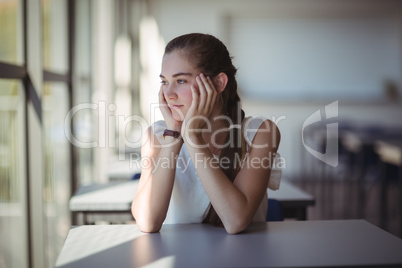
(209, 55)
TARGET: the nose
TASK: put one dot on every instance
(170, 92)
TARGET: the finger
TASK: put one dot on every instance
(195, 96)
(203, 94)
(211, 94)
(162, 100)
(192, 109)
(194, 102)
(210, 91)
(163, 106)
(162, 97)
(211, 84)
(214, 92)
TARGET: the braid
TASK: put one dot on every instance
(236, 150)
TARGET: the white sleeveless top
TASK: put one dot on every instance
(189, 200)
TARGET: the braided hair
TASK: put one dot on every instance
(209, 55)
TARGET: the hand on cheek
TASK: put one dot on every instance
(171, 122)
(204, 97)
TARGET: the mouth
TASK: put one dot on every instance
(171, 106)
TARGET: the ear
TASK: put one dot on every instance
(220, 82)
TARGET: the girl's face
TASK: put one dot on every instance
(178, 75)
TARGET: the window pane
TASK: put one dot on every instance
(84, 131)
(11, 31)
(57, 169)
(13, 216)
(55, 39)
(84, 119)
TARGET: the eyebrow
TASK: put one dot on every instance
(178, 74)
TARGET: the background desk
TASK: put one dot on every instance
(354, 243)
(116, 197)
(112, 197)
(294, 201)
(390, 152)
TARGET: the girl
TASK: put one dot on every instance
(206, 162)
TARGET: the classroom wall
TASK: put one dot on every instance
(361, 96)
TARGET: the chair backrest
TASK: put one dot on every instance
(274, 212)
(136, 176)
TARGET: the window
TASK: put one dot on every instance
(13, 217)
(33, 105)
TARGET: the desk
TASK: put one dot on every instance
(358, 144)
(336, 243)
(112, 197)
(116, 197)
(293, 201)
(362, 144)
(390, 152)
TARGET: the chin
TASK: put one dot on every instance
(178, 116)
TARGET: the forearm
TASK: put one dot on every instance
(152, 200)
(228, 201)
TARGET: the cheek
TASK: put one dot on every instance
(187, 96)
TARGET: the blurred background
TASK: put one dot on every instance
(79, 83)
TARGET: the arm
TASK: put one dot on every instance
(151, 202)
(236, 203)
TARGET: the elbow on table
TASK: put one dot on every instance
(236, 227)
(146, 225)
(149, 228)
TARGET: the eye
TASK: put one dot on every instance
(163, 82)
(180, 81)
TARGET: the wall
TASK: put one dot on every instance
(215, 17)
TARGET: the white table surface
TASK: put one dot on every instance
(337, 243)
(117, 196)
(287, 192)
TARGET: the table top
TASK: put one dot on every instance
(273, 244)
(290, 195)
(123, 169)
(118, 196)
(112, 196)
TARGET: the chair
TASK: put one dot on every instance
(136, 176)
(274, 212)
